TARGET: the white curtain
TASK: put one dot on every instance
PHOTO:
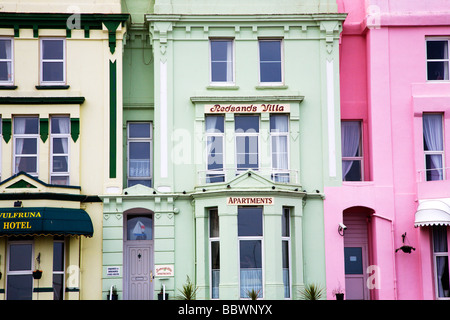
(280, 125)
(64, 127)
(7, 55)
(251, 278)
(432, 133)
(350, 139)
(19, 128)
(229, 61)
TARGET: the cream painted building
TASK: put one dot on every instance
(60, 109)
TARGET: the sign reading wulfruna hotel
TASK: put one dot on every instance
(247, 108)
(250, 200)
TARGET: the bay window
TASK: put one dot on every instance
(26, 138)
(247, 142)
(214, 242)
(433, 143)
(215, 148)
(6, 61)
(250, 236)
(352, 157)
(279, 133)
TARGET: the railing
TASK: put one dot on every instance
(435, 174)
(222, 175)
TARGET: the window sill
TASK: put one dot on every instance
(222, 87)
(8, 87)
(52, 87)
(271, 87)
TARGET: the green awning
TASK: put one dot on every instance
(45, 221)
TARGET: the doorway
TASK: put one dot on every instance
(138, 256)
(356, 253)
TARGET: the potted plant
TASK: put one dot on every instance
(189, 290)
(312, 291)
(253, 295)
(338, 293)
(37, 274)
(161, 293)
(112, 295)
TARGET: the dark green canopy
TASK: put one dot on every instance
(45, 221)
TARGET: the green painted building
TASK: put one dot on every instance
(230, 134)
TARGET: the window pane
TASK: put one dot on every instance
(270, 61)
(60, 180)
(5, 71)
(221, 61)
(279, 153)
(351, 138)
(139, 228)
(26, 146)
(53, 49)
(351, 170)
(146, 182)
(19, 287)
(215, 269)
(139, 130)
(60, 145)
(434, 168)
(442, 276)
(437, 49)
(60, 164)
(26, 164)
(270, 72)
(214, 124)
(221, 50)
(58, 256)
(250, 254)
(213, 223)
(285, 257)
(58, 287)
(439, 239)
(250, 221)
(247, 152)
(53, 71)
(139, 150)
(279, 123)
(20, 257)
(353, 260)
(247, 124)
(285, 223)
(5, 48)
(437, 70)
(270, 50)
(60, 125)
(432, 132)
(24, 125)
(215, 153)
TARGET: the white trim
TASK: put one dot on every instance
(163, 131)
(331, 114)
(41, 62)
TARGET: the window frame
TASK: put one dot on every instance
(11, 60)
(149, 140)
(60, 272)
(430, 153)
(233, 64)
(24, 272)
(26, 136)
(211, 240)
(434, 256)
(271, 83)
(210, 134)
(359, 158)
(277, 171)
(52, 155)
(247, 134)
(42, 60)
(252, 238)
(287, 239)
(429, 39)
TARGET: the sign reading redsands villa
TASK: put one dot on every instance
(247, 108)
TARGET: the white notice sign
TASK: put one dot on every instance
(113, 271)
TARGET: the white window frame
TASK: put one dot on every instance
(251, 238)
(11, 81)
(146, 139)
(435, 255)
(209, 134)
(41, 61)
(280, 83)
(360, 158)
(233, 64)
(26, 136)
(19, 272)
(437, 60)
(276, 171)
(288, 240)
(211, 240)
(52, 155)
(247, 134)
(440, 152)
(61, 272)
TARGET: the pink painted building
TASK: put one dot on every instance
(395, 111)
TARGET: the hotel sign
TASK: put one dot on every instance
(247, 108)
(18, 220)
(236, 201)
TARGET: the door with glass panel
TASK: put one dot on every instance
(138, 256)
(19, 279)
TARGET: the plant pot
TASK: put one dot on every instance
(115, 296)
(339, 296)
(160, 296)
(37, 274)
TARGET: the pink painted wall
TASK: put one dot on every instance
(383, 83)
